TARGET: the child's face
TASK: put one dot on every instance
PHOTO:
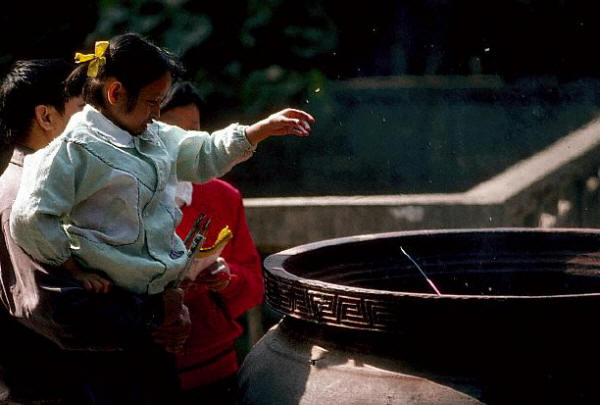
(146, 108)
(185, 116)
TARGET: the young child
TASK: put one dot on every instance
(209, 362)
(100, 197)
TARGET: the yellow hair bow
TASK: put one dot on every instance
(97, 58)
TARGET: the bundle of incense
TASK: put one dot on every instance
(193, 242)
(193, 232)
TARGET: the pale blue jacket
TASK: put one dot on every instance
(106, 198)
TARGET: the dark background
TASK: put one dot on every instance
(225, 44)
(251, 58)
(468, 88)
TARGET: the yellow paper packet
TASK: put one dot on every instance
(204, 257)
(224, 236)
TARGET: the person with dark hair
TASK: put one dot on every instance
(37, 99)
(208, 364)
(61, 343)
(181, 106)
(100, 198)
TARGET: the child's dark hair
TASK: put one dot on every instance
(133, 61)
(30, 83)
(180, 94)
(75, 82)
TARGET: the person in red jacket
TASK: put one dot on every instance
(208, 364)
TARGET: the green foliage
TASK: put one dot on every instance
(245, 58)
(166, 21)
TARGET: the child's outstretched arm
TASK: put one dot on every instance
(201, 156)
(285, 122)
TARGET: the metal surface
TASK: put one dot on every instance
(496, 276)
(516, 322)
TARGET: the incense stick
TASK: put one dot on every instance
(422, 272)
(193, 230)
(196, 236)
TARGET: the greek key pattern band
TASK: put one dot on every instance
(327, 306)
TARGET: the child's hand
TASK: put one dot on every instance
(89, 281)
(93, 282)
(284, 122)
(216, 276)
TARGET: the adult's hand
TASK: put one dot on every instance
(172, 303)
(176, 327)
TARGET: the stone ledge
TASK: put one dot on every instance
(280, 223)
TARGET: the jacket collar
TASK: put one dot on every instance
(111, 132)
(19, 154)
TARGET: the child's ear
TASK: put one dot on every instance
(43, 117)
(115, 92)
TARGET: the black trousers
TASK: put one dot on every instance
(144, 377)
(222, 392)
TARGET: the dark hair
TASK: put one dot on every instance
(133, 61)
(180, 94)
(30, 83)
(75, 82)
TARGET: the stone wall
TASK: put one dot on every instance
(409, 135)
(557, 187)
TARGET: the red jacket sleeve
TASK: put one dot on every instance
(246, 288)
(223, 204)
